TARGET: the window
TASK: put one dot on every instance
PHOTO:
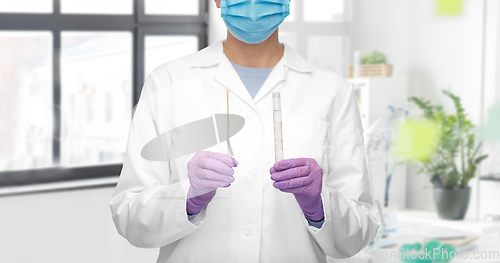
(71, 72)
(87, 134)
(319, 31)
(26, 6)
(314, 11)
(108, 7)
(26, 118)
(172, 7)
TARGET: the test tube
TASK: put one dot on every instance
(278, 135)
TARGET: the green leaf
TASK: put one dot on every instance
(471, 141)
(375, 57)
(480, 159)
(455, 148)
(477, 149)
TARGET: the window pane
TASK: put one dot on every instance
(25, 100)
(97, 7)
(96, 70)
(172, 7)
(26, 6)
(330, 52)
(161, 49)
(324, 10)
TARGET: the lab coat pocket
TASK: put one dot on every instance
(305, 137)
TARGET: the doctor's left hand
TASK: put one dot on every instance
(303, 177)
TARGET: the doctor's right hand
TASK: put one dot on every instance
(207, 171)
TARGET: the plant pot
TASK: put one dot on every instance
(451, 204)
(372, 71)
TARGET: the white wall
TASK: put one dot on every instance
(383, 25)
(434, 52)
(62, 227)
(447, 52)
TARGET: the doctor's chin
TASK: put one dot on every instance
(259, 131)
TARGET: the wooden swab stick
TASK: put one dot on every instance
(227, 96)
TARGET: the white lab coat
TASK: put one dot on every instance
(250, 221)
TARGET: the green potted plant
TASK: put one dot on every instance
(376, 57)
(373, 65)
(454, 160)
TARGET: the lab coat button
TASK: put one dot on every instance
(249, 230)
(252, 117)
(253, 171)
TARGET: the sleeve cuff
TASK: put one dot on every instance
(315, 224)
(191, 217)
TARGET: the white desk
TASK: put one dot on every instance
(416, 226)
(466, 225)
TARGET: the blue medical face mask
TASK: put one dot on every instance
(254, 21)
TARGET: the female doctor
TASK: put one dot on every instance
(208, 206)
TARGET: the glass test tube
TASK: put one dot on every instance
(278, 135)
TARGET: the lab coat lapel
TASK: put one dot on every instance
(277, 75)
(227, 76)
(291, 60)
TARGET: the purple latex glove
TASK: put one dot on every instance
(303, 177)
(207, 171)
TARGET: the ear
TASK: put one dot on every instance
(217, 2)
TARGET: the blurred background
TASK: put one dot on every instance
(72, 70)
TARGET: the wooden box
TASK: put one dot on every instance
(372, 71)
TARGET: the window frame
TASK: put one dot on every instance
(139, 25)
(177, 30)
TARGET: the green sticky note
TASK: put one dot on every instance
(492, 129)
(449, 7)
(415, 140)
